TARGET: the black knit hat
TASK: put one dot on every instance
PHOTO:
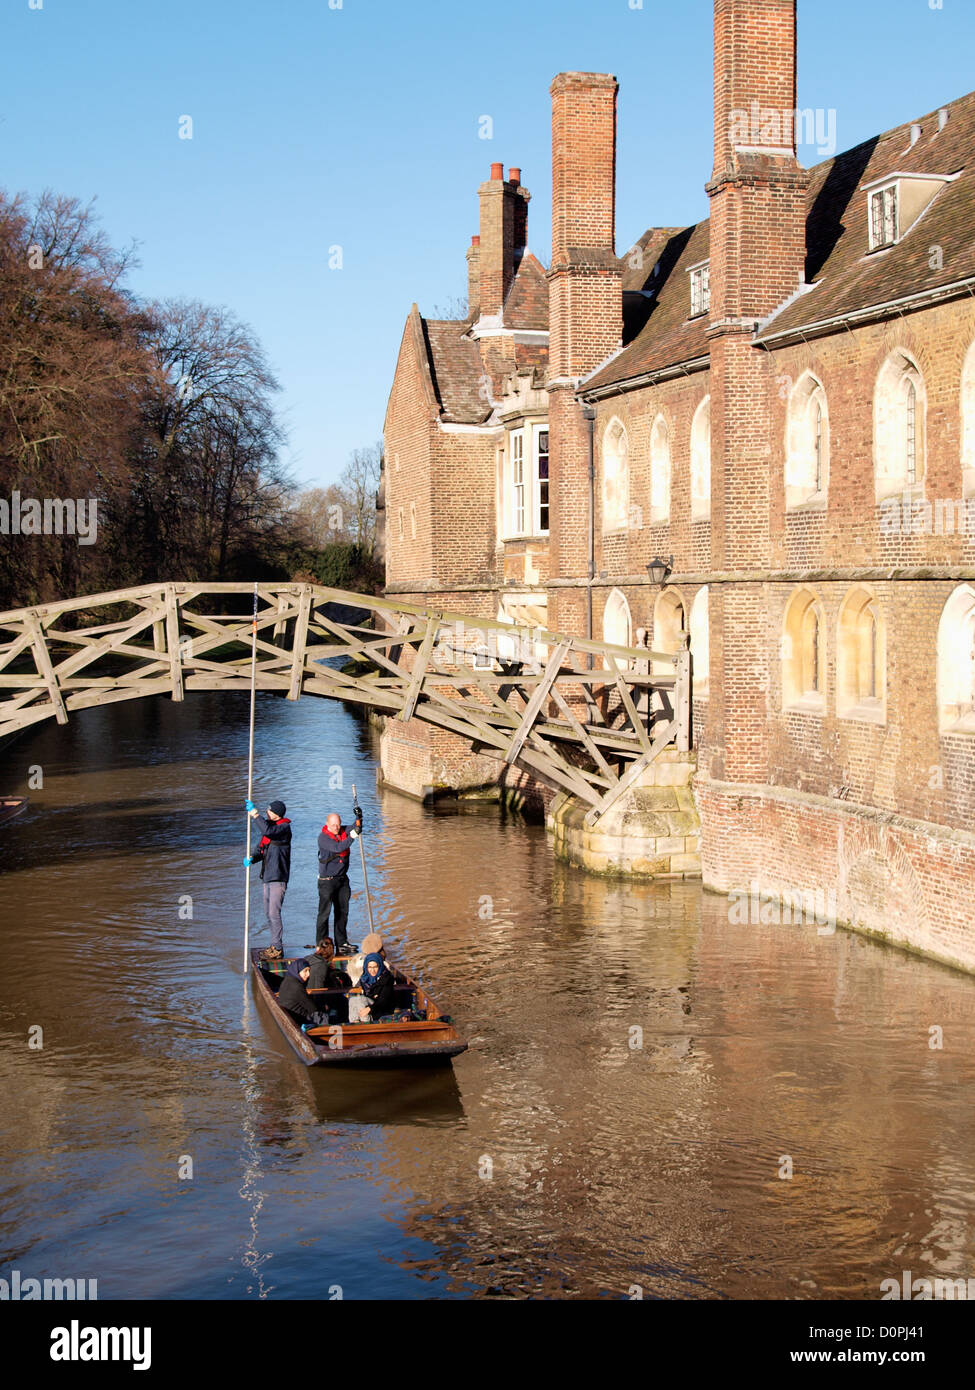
(278, 807)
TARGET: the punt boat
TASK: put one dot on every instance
(412, 1042)
(11, 806)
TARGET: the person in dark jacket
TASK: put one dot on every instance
(324, 975)
(294, 998)
(274, 856)
(377, 986)
(334, 848)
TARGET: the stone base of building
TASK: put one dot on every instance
(432, 765)
(653, 832)
(903, 881)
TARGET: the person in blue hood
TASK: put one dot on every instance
(377, 985)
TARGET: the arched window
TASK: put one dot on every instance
(617, 622)
(956, 663)
(616, 477)
(700, 645)
(968, 424)
(701, 462)
(898, 426)
(413, 520)
(669, 626)
(807, 444)
(804, 653)
(861, 658)
(659, 471)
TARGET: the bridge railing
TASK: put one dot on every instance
(583, 716)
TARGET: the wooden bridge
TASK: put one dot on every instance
(583, 717)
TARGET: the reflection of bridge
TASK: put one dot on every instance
(583, 717)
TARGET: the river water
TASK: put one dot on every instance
(643, 1074)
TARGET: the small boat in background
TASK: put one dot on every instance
(11, 806)
(431, 1037)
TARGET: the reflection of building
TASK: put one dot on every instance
(781, 397)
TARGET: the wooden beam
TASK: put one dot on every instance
(534, 704)
(635, 720)
(419, 670)
(300, 641)
(42, 658)
(172, 639)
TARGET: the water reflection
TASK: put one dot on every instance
(641, 1078)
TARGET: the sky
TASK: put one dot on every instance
(331, 178)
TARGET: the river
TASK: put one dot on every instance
(643, 1077)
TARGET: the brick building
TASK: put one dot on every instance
(781, 399)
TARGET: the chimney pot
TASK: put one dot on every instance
(475, 241)
(915, 132)
(514, 176)
(497, 171)
(942, 118)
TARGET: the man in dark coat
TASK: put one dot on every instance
(334, 848)
(274, 855)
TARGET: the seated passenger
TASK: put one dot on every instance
(324, 975)
(373, 944)
(377, 986)
(295, 999)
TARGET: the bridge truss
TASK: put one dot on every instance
(584, 717)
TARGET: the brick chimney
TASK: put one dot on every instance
(474, 276)
(504, 220)
(585, 310)
(758, 218)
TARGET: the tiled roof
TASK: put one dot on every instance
(656, 330)
(456, 368)
(527, 303)
(837, 231)
(845, 277)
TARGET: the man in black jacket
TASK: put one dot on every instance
(274, 855)
(334, 848)
(294, 998)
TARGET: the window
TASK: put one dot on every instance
(861, 659)
(899, 406)
(700, 289)
(956, 663)
(617, 624)
(541, 476)
(413, 520)
(803, 653)
(399, 517)
(700, 644)
(518, 483)
(659, 472)
(701, 462)
(883, 217)
(525, 482)
(669, 626)
(616, 477)
(807, 444)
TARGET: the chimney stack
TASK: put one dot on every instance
(474, 276)
(585, 311)
(504, 222)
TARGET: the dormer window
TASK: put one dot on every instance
(700, 288)
(897, 202)
(883, 217)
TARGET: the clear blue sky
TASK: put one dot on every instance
(358, 127)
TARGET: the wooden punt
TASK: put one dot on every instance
(11, 806)
(411, 1043)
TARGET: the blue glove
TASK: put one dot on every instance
(249, 806)
(248, 862)
(304, 1027)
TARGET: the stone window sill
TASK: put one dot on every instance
(807, 704)
(866, 712)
